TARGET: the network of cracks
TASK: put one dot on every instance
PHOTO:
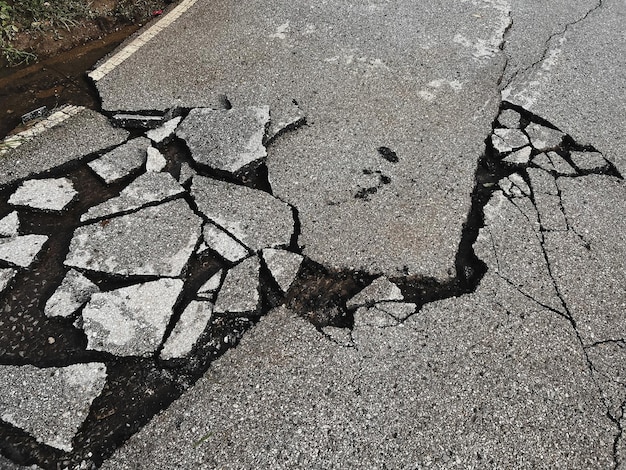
(124, 274)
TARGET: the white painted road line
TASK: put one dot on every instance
(142, 39)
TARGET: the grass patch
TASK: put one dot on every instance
(53, 20)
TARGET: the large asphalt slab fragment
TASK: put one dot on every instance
(223, 139)
(579, 85)
(418, 81)
(155, 241)
(130, 321)
(51, 403)
(86, 132)
(255, 218)
(490, 377)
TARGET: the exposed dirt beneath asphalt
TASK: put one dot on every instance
(59, 75)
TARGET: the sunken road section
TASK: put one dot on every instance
(129, 268)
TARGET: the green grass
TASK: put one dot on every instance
(53, 17)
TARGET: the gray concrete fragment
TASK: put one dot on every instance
(155, 241)
(543, 138)
(240, 290)
(519, 157)
(130, 321)
(560, 165)
(221, 242)
(9, 225)
(21, 250)
(6, 275)
(74, 292)
(225, 140)
(513, 138)
(211, 286)
(510, 244)
(145, 189)
(284, 117)
(122, 161)
(550, 213)
(588, 161)
(189, 328)
(255, 218)
(161, 134)
(379, 290)
(52, 194)
(186, 173)
(542, 182)
(283, 265)
(155, 161)
(543, 162)
(509, 118)
(82, 134)
(50, 404)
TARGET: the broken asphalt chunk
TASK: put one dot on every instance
(186, 173)
(122, 161)
(543, 138)
(543, 162)
(9, 225)
(22, 250)
(74, 292)
(155, 241)
(519, 157)
(284, 118)
(211, 286)
(514, 186)
(161, 134)
(6, 275)
(512, 138)
(560, 164)
(240, 290)
(225, 245)
(155, 161)
(52, 194)
(52, 403)
(588, 161)
(226, 140)
(283, 266)
(189, 328)
(379, 290)
(145, 189)
(255, 218)
(509, 118)
(130, 321)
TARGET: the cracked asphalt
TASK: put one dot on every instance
(349, 235)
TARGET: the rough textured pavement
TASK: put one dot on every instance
(374, 234)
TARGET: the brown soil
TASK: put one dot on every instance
(59, 75)
(111, 17)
